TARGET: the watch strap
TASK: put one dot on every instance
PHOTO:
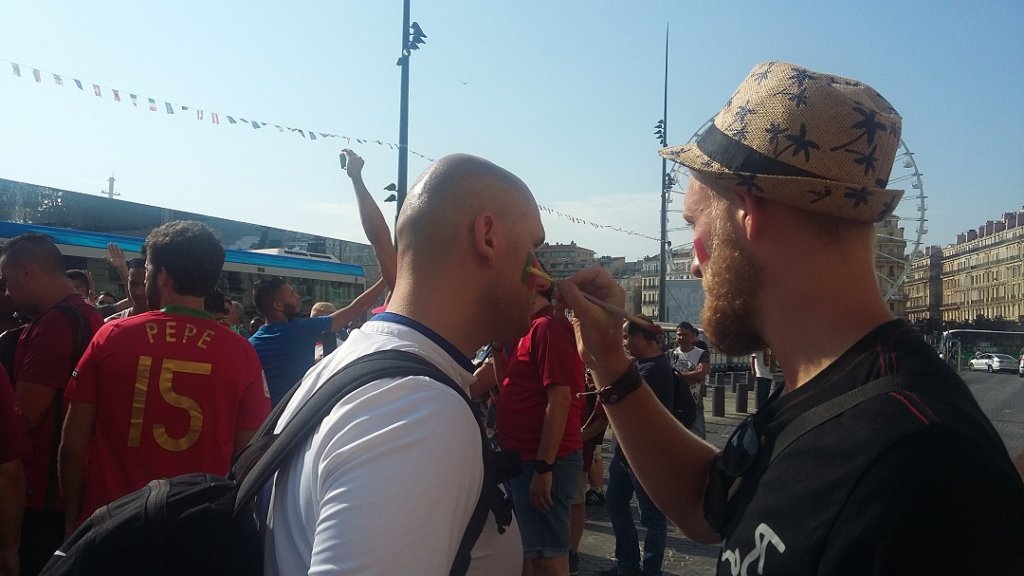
(624, 386)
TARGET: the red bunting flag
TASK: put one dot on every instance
(96, 90)
(117, 95)
(214, 118)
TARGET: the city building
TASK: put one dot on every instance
(33, 204)
(923, 286)
(891, 262)
(983, 273)
(564, 260)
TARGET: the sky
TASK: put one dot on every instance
(564, 94)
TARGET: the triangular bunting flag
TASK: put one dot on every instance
(312, 135)
(152, 105)
(214, 118)
(231, 120)
(96, 90)
(199, 114)
(79, 84)
(58, 80)
(135, 99)
(170, 110)
(36, 75)
(16, 69)
(256, 124)
(117, 95)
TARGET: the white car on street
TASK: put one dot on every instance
(993, 363)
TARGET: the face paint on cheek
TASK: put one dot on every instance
(528, 279)
(700, 251)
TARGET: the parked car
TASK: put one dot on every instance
(1020, 369)
(992, 363)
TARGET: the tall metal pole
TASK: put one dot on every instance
(662, 280)
(403, 119)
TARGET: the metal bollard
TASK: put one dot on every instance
(718, 401)
(741, 398)
(732, 381)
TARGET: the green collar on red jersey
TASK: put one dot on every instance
(184, 310)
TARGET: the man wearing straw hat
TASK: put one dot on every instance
(875, 457)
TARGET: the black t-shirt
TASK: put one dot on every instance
(910, 482)
(657, 373)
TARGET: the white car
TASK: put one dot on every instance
(1020, 369)
(993, 363)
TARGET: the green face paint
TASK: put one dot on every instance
(531, 258)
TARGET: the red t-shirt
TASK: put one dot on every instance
(546, 356)
(45, 355)
(14, 441)
(171, 389)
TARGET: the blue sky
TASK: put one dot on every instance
(564, 94)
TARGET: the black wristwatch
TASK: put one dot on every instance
(542, 467)
(624, 386)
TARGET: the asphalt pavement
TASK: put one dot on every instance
(683, 557)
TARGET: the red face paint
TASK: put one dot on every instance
(702, 253)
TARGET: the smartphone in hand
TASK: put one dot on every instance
(343, 159)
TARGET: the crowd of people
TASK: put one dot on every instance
(873, 458)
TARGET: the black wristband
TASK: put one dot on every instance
(542, 467)
(624, 386)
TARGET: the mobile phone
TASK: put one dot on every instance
(343, 159)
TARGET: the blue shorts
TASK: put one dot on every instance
(546, 535)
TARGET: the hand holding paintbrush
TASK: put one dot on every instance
(596, 301)
(611, 308)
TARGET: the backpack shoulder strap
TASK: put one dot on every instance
(268, 451)
(80, 328)
(822, 413)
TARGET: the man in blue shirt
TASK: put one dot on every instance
(286, 343)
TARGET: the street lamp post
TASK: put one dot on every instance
(412, 38)
(661, 130)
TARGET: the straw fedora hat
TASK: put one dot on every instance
(811, 140)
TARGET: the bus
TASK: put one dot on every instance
(957, 347)
(316, 277)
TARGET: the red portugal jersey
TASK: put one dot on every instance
(171, 388)
(546, 356)
(48, 350)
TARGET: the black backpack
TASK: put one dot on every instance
(683, 408)
(201, 524)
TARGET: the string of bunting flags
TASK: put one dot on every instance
(576, 220)
(157, 105)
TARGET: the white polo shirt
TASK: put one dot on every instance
(389, 481)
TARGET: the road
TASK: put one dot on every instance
(1001, 397)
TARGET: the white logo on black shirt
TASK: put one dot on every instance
(763, 536)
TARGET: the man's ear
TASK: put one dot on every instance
(485, 238)
(750, 213)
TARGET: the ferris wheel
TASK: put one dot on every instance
(898, 238)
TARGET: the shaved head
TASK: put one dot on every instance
(465, 234)
(445, 199)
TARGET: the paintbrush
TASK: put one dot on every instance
(610, 308)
